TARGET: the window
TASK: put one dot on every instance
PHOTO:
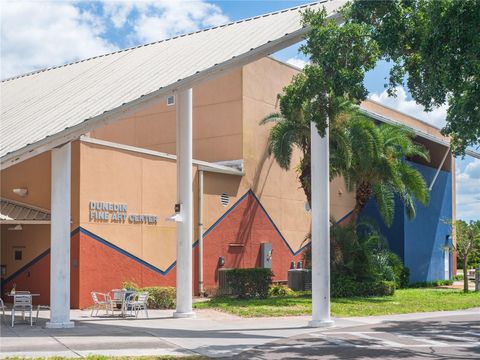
(170, 100)
(18, 254)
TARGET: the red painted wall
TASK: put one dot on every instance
(247, 225)
(103, 269)
(35, 278)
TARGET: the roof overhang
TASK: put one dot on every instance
(129, 108)
(417, 132)
(16, 213)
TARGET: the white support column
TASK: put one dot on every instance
(60, 239)
(320, 205)
(185, 199)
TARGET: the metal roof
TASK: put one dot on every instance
(445, 141)
(13, 212)
(47, 108)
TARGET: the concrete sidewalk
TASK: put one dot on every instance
(211, 333)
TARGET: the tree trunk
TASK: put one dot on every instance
(363, 193)
(465, 274)
(305, 179)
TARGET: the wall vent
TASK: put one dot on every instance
(224, 199)
(170, 100)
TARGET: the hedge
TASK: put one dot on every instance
(158, 297)
(346, 287)
(429, 284)
(249, 283)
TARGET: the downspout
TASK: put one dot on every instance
(200, 232)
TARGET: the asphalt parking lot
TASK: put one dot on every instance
(442, 337)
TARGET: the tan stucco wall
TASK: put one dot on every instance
(35, 175)
(146, 185)
(32, 240)
(404, 119)
(278, 190)
(217, 122)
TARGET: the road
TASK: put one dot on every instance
(442, 337)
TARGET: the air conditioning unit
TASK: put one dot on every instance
(223, 288)
(300, 279)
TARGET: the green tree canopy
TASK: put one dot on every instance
(435, 45)
(467, 236)
(369, 157)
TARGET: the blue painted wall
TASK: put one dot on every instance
(420, 242)
(425, 236)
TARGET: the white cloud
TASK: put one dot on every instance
(297, 62)
(435, 117)
(468, 191)
(157, 20)
(58, 32)
(36, 35)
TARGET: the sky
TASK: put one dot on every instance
(40, 34)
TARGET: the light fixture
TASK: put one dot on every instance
(307, 206)
(16, 228)
(20, 192)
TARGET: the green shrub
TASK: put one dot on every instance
(430, 284)
(249, 283)
(280, 290)
(348, 287)
(160, 297)
(401, 272)
(129, 285)
(458, 277)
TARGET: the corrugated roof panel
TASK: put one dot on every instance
(44, 103)
(13, 211)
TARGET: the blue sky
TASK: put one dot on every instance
(39, 34)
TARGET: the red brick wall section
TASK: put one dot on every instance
(103, 268)
(238, 237)
(36, 279)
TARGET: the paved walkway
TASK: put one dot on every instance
(211, 333)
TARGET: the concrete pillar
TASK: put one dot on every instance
(320, 181)
(60, 239)
(185, 199)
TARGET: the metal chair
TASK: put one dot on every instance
(137, 302)
(3, 308)
(23, 303)
(41, 307)
(104, 303)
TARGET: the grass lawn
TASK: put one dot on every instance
(404, 301)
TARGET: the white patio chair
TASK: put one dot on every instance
(101, 301)
(41, 307)
(3, 308)
(137, 302)
(23, 303)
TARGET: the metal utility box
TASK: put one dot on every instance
(223, 288)
(266, 255)
(300, 279)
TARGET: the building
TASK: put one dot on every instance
(124, 188)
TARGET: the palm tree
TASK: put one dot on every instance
(370, 157)
(292, 130)
(378, 167)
